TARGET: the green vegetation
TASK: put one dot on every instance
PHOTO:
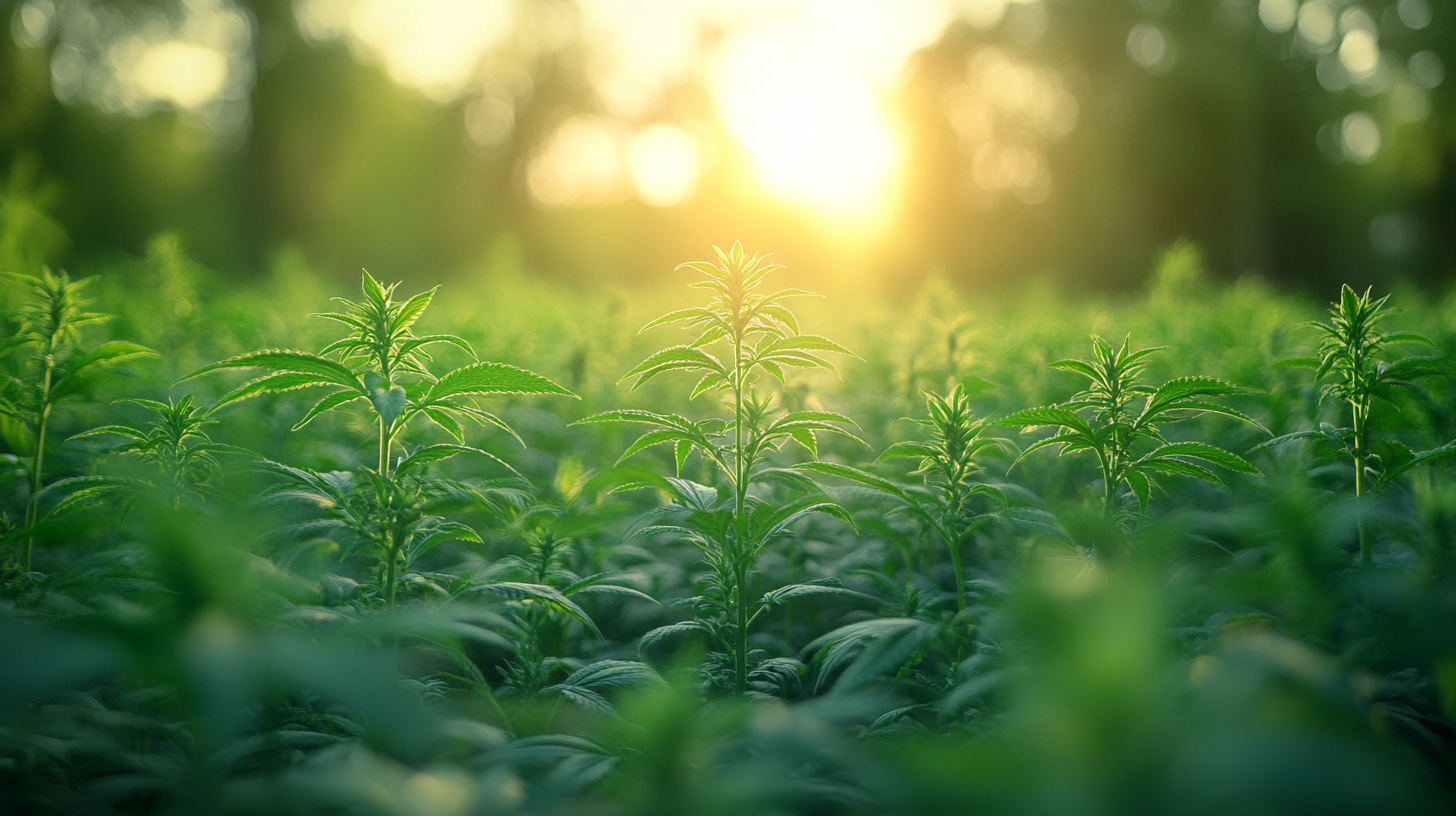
(225, 597)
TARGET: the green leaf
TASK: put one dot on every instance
(1032, 418)
(650, 439)
(612, 674)
(491, 378)
(779, 523)
(696, 312)
(855, 475)
(673, 358)
(1078, 366)
(271, 384)
(1206, 452)
(118, 430)
(388, 402)
(435, 453)
(671, 631)
(908, 450)
(327, 404)
(1434, 454)
(105, 356)
(1141, 487)
(284, 360)
(818, 586)
(539, 593)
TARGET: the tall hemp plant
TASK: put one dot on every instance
(1350, 354)
(57, 367)
(952, 502)
(1118, 420)
(760, 335)
(383, 364)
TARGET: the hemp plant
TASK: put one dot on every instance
(1118, 420)
(952, 502)
(761, 336)
(56, 367)
(380, 361)
(1349, 354)
(175, 447)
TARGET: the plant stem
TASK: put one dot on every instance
(740, 522)
(32, 507)
(384, 446)
(391, 570)
(1360, 418)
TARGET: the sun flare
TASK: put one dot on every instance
(813, 126)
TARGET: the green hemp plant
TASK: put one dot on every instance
(1118, 420)
(761, 336)
(952, 502)
(56, 368)
(1349, 355)
(175, 447)
(381, 362)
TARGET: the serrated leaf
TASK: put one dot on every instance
(491, 378)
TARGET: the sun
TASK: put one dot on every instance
(812, 123)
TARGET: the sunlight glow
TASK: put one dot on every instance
(663, 162)
(812, 124)
(432, 47)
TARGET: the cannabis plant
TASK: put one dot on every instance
(951, 503)
(761, 336)
(55, 367)
(1118, 420)
(394, 519)
(1349, 354)
(174, 447)
(552, 532)
(382, 362)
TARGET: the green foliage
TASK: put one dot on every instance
(951, 502)
(382, 361)
(762, 336)
(55, 367)
(1114, 425)
(457, 634)
(176, 453)
(1350, 354)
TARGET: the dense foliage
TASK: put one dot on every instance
(444, 587)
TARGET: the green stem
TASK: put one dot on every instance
(740, 524)
(1359, 418)
(960, 577)
(1109, 485)
(385, 443)
(391, 571)
(32, 507)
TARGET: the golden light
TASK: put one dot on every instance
(663, 163)
(810, 121)
(185, 74)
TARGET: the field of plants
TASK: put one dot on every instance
(487, 548)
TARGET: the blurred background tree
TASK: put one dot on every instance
(983, 140)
